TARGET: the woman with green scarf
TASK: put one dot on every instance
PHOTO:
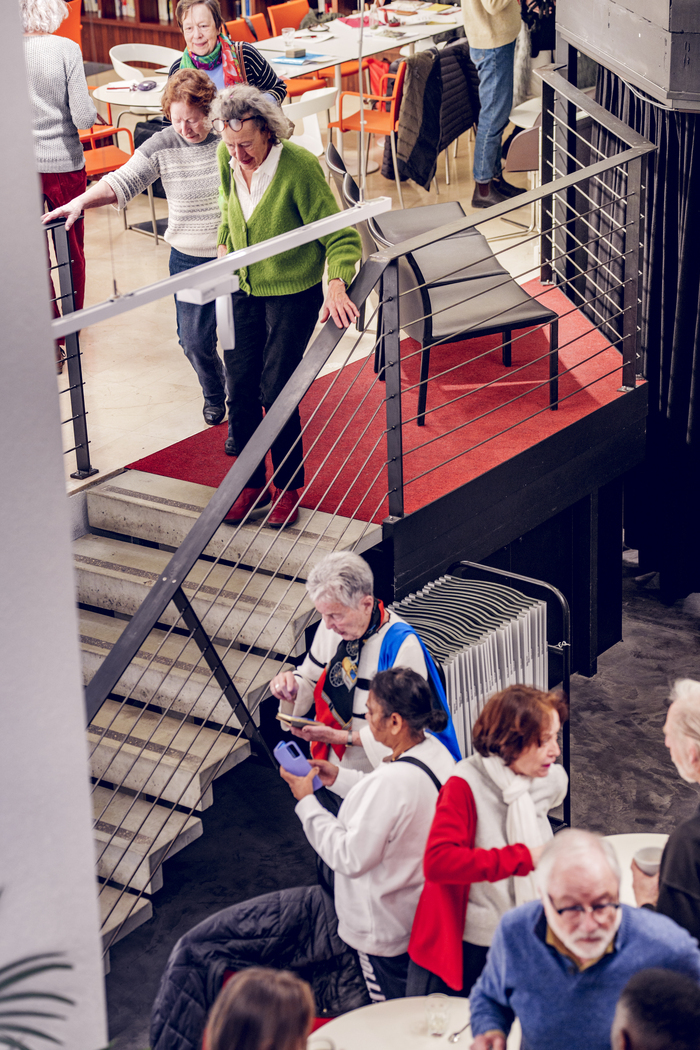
(226, 62)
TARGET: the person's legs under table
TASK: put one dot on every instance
(196, 331)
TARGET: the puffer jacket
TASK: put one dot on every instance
(293, 929)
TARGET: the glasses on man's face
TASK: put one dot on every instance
(573, 913)
(234, 123)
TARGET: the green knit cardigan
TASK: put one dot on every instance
(297, 195)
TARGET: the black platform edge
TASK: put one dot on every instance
(503, 504)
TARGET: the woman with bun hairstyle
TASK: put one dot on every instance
(261, 1009)
(375, 844)
(489, 830)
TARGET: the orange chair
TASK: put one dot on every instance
(384, 120)
(71, 26)
(238, 29)
(291, 15)
(101, 159)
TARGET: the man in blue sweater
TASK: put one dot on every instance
(560, 964)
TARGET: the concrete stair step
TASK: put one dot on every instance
(133, 837)
(121, 913)
(163, 510)
(172, 677)
(160, 755)
(269, 613)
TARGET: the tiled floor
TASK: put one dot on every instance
(141, 393)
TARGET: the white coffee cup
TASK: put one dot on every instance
(648, 859)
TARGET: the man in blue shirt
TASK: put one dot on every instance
(560, 964)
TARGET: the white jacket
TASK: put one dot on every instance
(376, 843)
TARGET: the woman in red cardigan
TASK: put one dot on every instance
(489, 829)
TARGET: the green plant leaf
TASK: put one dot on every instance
(13, 1043)
(29, 1013)
(36, 995)
(24, 1030)
(22, 975)
(31, 959)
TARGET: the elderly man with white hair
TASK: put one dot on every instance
(356, 638)
(675, 890)
(559, 964)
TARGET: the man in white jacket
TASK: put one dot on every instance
(375, 845)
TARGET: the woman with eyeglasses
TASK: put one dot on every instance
(226, 62)
(271, 186)
(183, 156)
(489, 830)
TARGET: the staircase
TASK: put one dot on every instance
(166, 733)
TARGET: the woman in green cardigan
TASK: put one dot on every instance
(270, 186)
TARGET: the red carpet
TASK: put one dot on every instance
(344, 418)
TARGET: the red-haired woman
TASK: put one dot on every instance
(487, 835)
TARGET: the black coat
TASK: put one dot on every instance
(294, 929)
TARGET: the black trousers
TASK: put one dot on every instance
(423, 982)
(272, 333)
(385, 976)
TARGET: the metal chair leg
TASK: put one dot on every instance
(507, 349)
(423, 385)
(447, 167)
(554, 365)
(396, 167)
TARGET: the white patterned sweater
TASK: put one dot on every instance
(190, 177)
(60, 101)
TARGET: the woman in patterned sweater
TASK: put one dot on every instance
(183, 156)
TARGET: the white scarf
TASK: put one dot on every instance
(521, 819)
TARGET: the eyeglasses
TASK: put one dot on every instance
(234, 123)
(575, 911)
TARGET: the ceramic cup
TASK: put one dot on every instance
(648, 859)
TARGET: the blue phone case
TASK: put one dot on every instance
(290, 758)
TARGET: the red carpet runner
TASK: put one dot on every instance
(458, 442)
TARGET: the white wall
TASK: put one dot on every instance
(48, 900)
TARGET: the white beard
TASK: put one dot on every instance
(584, 949)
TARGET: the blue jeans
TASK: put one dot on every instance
(495, 67)
(196, 330)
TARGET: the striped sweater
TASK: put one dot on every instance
(60, 102)
(190, 179)
(258, 71)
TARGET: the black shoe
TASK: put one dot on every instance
(230, 447)
(213, 414)
(491, 198)
(506, 188)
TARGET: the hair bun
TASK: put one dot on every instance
(437, 720)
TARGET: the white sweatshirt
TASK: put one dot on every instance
(376, 843)
(323, 649)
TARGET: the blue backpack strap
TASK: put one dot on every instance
(391, 643)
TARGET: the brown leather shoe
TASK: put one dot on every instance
(285, 509)
(245, 502)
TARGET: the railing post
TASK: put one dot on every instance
(75, 370)
(391, 337)
(547, 176)
(631, 318)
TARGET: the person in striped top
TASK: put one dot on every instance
(183, 156)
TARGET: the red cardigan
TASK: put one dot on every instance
(451, 864)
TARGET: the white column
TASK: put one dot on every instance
(48, 901)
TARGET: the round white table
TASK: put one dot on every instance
(116, 95)
(625, 847)
(399, 1023)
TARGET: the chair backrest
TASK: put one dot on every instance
(101, 159)
(239, 29)
(351, 197)
(154, 54)
(71, 27)
(287, 16)
(524, 151)
(304, 116)
(336, 166)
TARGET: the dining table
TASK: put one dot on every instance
(399, 1023)
(125, 94)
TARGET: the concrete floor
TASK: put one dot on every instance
(622, 781)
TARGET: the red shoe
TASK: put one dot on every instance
(245, 502)
(285, 510)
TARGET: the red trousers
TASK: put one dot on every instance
(58, 188)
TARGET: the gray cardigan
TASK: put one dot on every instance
(60, 101)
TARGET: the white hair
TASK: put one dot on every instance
(576, 845)
(42, 16)
(685, 695)
(343, 577)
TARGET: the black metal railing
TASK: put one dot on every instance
(77, 419)
(357, 419)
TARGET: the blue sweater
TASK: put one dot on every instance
(558, 1007)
